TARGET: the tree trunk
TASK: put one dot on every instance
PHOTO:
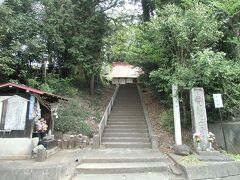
(146, 10)
(91, 84)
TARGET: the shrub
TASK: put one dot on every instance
(72, 118)
(167, 120)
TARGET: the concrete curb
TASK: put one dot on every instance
(153, 137)
(207, 170)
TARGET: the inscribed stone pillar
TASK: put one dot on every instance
(199, 115)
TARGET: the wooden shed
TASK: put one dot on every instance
(21, 108)
(124, 73)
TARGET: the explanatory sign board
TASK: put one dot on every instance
(218, 100)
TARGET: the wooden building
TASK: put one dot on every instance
(124, 73)
(20, 108)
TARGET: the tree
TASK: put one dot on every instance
(166, 45)
(74, 33)
(68, 33)
(20, 41)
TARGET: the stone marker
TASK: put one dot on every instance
(96, 141)
(41, 153)
(65, 144)
(84, 142)
(71, 142)
(59, 143)
(199, 116)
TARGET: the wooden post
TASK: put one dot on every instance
(176, 111)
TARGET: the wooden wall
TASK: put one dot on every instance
(13, 108)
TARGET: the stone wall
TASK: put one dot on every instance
(17, 148)
(232, 133)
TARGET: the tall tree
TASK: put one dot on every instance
(74, 32)
(21, 44)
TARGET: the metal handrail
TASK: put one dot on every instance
(104, 119)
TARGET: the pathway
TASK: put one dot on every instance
(126, 148)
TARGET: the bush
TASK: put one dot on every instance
(72, 118)
(167, 120)
(54, 84)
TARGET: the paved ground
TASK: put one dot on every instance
(61, 166)
(129, 176)
(58, 166)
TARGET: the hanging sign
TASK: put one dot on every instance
(218, 100)
(31, 114)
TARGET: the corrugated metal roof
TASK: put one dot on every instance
(36, 91)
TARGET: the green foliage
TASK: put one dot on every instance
(218, 75)
(167, 121)
(179, 47)
(72, 118)
(68, 33)
(190, 159)
(74, 31)
(236, 157)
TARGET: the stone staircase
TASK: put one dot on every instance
(126, 127)
(126, 151)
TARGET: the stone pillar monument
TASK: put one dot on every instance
(199, 115)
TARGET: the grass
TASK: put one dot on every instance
(190, 159)
(236, 157)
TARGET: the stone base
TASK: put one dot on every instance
(210, 169)
(17, 148)
(208, 153)
(218, 158)
(48, 144)
(212, 156)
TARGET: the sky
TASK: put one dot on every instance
(1, 1)
(128, 8)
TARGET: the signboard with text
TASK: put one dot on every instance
(218, 100)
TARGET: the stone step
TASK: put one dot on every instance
(144, 135)
(118, 153)
(126, 123)
(124, 176)
(120, 159)
(122, 117)
(132, 145)
(113, 168)
(132, 117)
(126, 110)
(126, 130)
(129, 114)
(126, 126)
(136, 107)
(126, 105)
(125, 139)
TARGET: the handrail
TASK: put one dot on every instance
(153, 137)
(98, 137)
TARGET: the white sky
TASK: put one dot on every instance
(127, 8)
(1, 1)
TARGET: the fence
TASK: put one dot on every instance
(97, 137)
